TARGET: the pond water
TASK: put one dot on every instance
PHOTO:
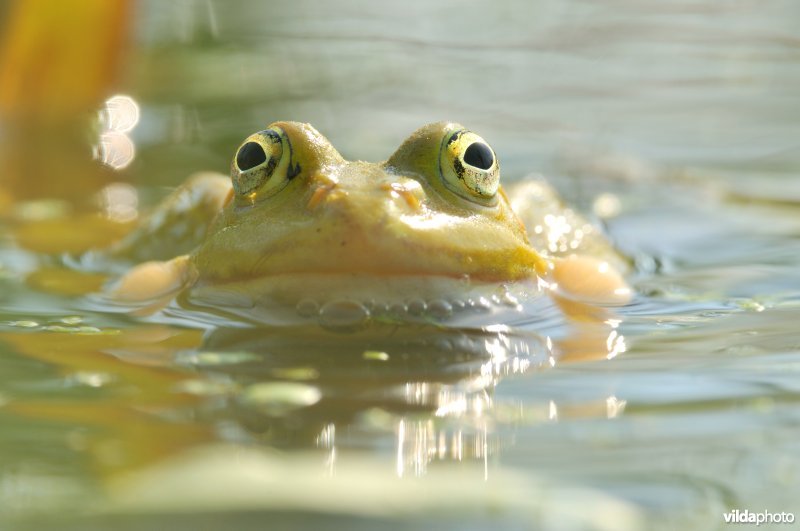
(675, 126)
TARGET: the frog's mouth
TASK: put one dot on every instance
(347, 301)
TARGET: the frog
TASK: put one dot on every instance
(302, 267)
(297, 232)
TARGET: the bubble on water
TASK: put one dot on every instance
(398, 310)
(308, 308)
(72, 320)
(440, 308)
(343, 315)
(376, 308)
(417, 307)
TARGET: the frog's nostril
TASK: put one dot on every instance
(250, 155)
(479, 155)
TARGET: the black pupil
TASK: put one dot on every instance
(251, 155)
(479, 155)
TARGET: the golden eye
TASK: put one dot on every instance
(259, 164)
(469, 167)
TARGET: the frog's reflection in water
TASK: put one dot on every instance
(431, 388)
(413, 394)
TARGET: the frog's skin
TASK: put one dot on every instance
(298, 226)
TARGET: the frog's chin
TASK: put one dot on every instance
(348, 301)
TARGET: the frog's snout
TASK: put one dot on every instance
(329, 195)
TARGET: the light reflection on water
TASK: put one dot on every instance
(675, 124)
(119, 116)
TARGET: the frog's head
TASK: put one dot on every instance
(298, 210)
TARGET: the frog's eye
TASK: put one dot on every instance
(257, 164)
(469, 167)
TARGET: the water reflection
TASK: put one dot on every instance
(119, 202)
(428, 390)
(431, 388)
(118, 117)
(294, 389)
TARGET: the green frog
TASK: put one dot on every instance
(298, 232)
(420, 271)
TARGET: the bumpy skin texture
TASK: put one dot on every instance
(394, 218)
(319, 220)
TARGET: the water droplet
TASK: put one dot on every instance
(417, 307)
(376, 308)
(343, 315)
(308, 308)
(440, 308)
(397, 310)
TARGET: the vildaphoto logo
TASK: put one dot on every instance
(737, 516)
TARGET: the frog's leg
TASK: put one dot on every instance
(587, 289)
(150, 286)
(178, 224)
(585, 270)
(589, 280)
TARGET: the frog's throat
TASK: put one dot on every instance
(361, 297)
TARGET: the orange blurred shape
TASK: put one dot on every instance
(60, 57)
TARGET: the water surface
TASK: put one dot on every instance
(674, 126)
